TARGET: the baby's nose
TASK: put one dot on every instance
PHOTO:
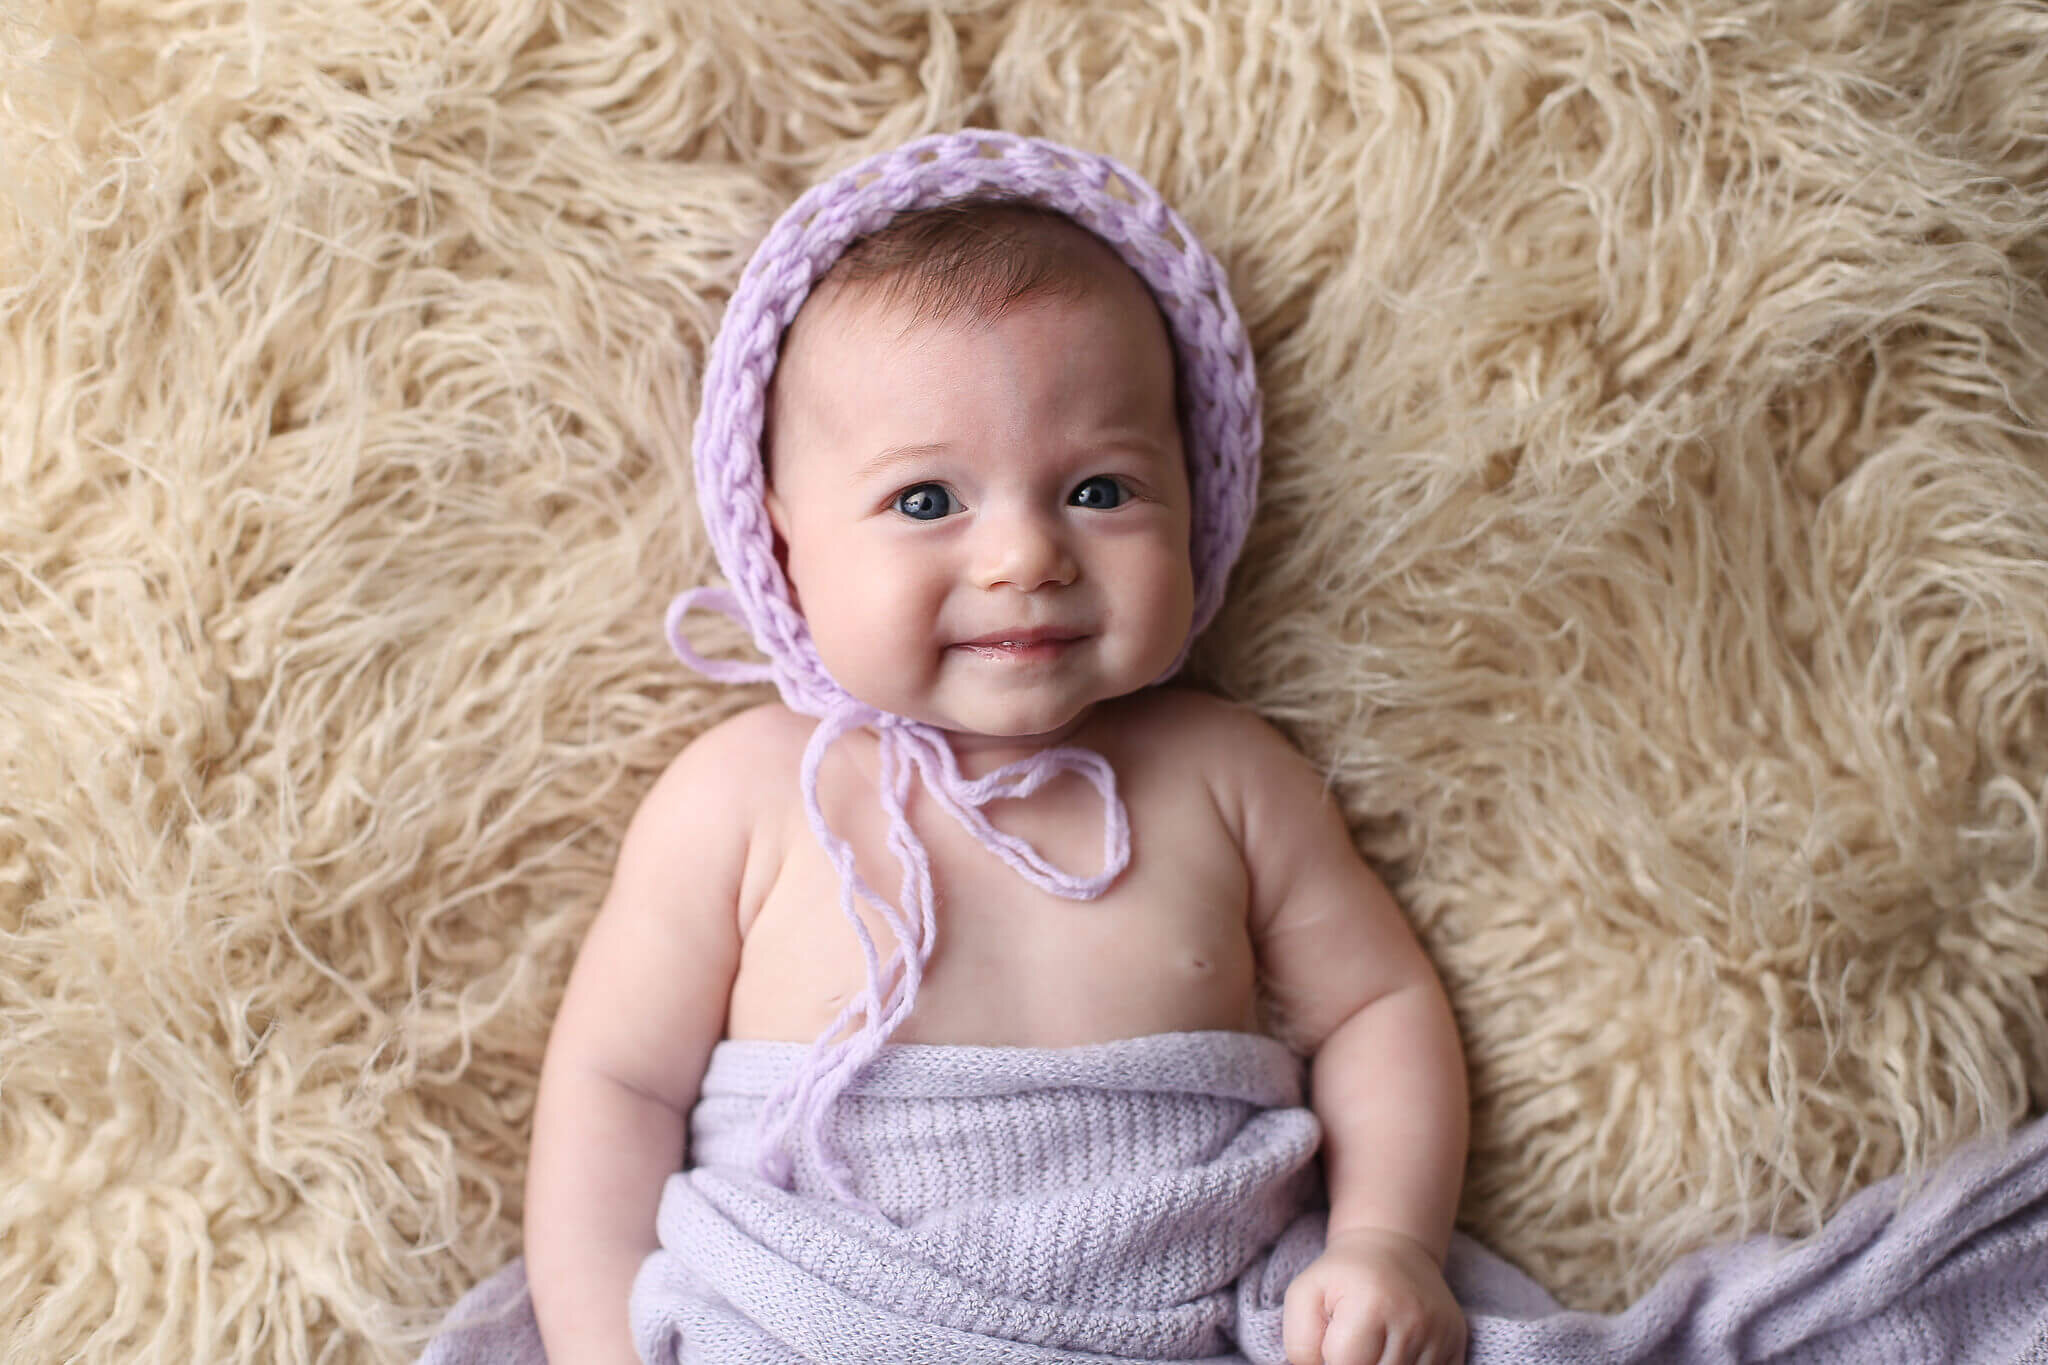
(1023, 552)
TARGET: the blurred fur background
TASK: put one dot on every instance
(1654, 549)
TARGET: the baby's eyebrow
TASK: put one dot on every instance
(894, 456)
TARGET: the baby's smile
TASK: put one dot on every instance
(1043, 645)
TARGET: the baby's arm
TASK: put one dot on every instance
(1352, 986)
(645, 1004)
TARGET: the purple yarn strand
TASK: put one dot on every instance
(723, 601)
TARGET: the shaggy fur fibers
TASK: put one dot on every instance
(1654, 550)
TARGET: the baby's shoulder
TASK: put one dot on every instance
(749, 756)
(765, 731)
(1183, 713)
(1227, 742)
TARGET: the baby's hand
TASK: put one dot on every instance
(1372, 1298)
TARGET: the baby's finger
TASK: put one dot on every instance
(1355, 1339)
(1301, 1325)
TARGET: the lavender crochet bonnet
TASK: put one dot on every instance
(1221, 435)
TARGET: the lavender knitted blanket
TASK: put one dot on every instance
(1150, 1200)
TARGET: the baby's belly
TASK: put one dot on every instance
(1049, 976)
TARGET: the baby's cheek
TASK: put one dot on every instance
(1170, 608)
(838, 637)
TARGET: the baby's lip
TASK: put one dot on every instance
(1037, 635)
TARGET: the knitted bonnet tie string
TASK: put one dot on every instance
(805, 1098)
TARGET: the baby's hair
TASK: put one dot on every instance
(977, 256)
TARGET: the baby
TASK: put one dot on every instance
(979, 487)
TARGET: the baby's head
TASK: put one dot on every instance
(976, 474)
(909, 336)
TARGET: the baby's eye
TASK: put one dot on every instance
(925, 502)
(1101, 492)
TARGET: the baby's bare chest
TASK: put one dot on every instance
(1166, 949)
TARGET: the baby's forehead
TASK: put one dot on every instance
(866, 312)
(861, 355)
(1096, 359)
(927, 274)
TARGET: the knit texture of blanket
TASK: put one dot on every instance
(1151, 1199)
(1122, 1199)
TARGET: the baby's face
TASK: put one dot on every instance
(985, 523)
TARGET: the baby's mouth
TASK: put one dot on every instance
(1023, 646)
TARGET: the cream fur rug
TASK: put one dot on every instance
(1655, 549)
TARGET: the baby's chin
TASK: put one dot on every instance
(1037, 734)
(1001, 724)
